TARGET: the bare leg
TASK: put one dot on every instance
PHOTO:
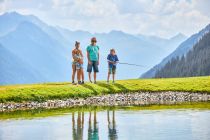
(113, 77)
(73, 72)
(89, 75)
(108, 77)
(94, 76)
(82, 74)
(78, 75)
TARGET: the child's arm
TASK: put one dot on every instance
(81, 53)
(108, 60)
(116, 60)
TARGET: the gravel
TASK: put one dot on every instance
(137, 98)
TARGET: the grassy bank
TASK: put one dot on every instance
(46, 91)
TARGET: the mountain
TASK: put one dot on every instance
(182, 49)
(195, 63)
(15, 70)
(167, 44)
(47, 49)
(38, 49)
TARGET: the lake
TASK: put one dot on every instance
(108, 123)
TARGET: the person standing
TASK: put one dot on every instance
(78, 64)
(93, 58)
(112, 65)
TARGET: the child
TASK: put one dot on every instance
(112, 62)
(78, 61)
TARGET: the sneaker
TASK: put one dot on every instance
(72, 82)
(94, 82)
(91, 81)
(113, 82)
(79, 82)
(83, 82)
(107, 82)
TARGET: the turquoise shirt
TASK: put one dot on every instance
(93, 52)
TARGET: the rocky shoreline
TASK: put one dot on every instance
(121, 99)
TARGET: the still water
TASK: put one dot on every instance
(110, 124)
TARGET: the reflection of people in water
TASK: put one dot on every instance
(112, 126)
(93, 132)
(77, 132)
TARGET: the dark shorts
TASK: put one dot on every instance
(94, 66)
(112, 70)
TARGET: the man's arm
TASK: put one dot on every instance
(88, 57)
(98, 58)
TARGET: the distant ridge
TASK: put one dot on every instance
(182, 49)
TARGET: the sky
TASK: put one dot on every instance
(163, 18)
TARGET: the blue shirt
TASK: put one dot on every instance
(112, 58)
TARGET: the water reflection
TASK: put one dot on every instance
(112, 126)
(93, 129)
(77, 132)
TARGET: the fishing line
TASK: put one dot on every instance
(131, 64)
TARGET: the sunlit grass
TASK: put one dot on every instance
(46, 91)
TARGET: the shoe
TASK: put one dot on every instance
(91, 81)
(94, 82)
(113, 82)
(82, 82)
(107, 82)
(79, 82)
(72, 82)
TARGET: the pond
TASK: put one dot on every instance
(188, 122)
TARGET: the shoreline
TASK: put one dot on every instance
(117, 99)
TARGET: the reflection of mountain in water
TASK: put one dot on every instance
(93, 129)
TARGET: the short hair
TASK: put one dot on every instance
(93, 39)
(112, 50)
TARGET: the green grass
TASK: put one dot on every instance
(40, 113)
(46, 91)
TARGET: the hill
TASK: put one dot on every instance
(182, 49)
(195, 63)
(14, 69)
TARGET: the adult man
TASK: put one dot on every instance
(93, 58)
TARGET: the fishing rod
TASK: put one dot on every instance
(129, 64)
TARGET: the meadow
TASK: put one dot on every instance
(49, 91)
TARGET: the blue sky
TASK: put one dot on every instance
(163, 18)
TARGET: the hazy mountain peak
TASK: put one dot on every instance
(178, 36)
(14, 13)
(116, 32)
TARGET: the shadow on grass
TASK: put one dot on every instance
(90, 88)
(121, 87)
(107, 86)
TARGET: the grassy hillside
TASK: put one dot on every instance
(45, 91)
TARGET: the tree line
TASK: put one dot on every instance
(195, 63)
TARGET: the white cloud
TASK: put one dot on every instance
(151, 17)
